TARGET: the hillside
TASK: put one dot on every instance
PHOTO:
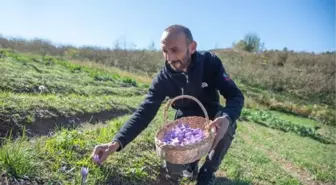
(302, 76)
(70, 105)
(39, 89)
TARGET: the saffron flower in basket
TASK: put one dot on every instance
(182, 134)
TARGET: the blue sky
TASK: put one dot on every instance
(300, 25)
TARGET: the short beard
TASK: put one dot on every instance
(183, 64)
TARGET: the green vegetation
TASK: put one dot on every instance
(245, 162)
(50, 75)
(307, 154)
(23, 107)
(266, 118)
(39, 87)
(286, 134)
(286, 71)
(289, 104)
(306, 76)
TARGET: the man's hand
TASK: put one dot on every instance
(221, 125)
(101, 152)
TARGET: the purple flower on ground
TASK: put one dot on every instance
(96, 159)
(84, 173)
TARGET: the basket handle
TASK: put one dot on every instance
(181, 97)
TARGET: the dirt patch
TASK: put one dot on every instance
(302, 175)
(45, 126)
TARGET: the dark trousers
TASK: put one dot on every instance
(210, 166)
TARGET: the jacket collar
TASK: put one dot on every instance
(194, 61)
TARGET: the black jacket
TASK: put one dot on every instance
(204, 78)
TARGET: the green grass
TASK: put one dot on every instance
(318, 159)
(287, 103)
(61, 77)
(137, 163)
(16, 159)
(76, 88)
(269, 119)
(326, 130)
(245, 162)
(25, 108)
(37, 87)
(296, 119)
(69, 149)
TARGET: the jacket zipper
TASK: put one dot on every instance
(182, 92)
(187, 81)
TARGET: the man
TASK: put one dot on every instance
(188, 72)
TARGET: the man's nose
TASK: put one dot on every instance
(170, 57)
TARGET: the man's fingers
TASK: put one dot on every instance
(214, 144)
(94, 152)
(98, 150)
(104, 156)
(218, 137)
(215, 124)
(101, 152)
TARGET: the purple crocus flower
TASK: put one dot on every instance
(84, 173)
(175, 141)
(183, 134)
(96, 159)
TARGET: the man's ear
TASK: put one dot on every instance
(192, 47)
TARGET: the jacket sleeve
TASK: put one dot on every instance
(229, 90)
(143, 115)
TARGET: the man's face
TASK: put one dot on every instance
(175, 50)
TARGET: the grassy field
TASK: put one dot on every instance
(277, 140)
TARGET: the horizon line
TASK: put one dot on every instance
(78, 46)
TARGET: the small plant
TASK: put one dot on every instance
(130, 81)
(17, 159)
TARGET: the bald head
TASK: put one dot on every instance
(177, 45)
(176, 30)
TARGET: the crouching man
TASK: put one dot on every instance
(186, 72)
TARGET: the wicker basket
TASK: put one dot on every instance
(187, 153)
